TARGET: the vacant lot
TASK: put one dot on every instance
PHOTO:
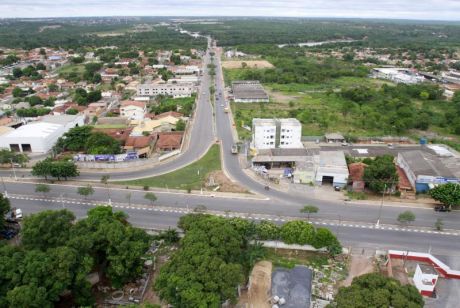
(249, 64)
(190, 177)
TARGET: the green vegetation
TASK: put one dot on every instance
(183, 105)
(309, 209)
(448, 194)
(56, 169)
(32, 112)
(57, 253)
(86, 140)
(4, 208)
(189, 177)
(406, 217)
(85, 191)
(8, 157)
(76, 34)
(42, 188)
(376, 290)
(150, 197)
(381, 174)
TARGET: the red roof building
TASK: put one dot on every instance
(356, 171)
(169, 141)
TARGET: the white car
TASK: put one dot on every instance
(222, 105)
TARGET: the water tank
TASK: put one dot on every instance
(423, 141)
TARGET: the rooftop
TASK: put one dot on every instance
(423, 163)
(250, 89)
(263, 122)
(62, 119)
(36, 129)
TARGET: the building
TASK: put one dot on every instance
(332, 169)
(425, 279)
(164, 124)
(334, 138)
(276, 133)
(133, 110)
(142, 145)
(40, 136)
(250, 91)
(425, 170)
(169, 141)
(174, 90)
(398, 75)
(356, 171)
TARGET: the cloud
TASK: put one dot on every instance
(421, 9)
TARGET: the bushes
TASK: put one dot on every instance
(297, 232)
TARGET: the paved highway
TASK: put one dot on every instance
(277, 203)
(349, 236)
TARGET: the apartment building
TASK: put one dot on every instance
(174, 90)
(276, 133)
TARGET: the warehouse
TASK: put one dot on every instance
(250, 91)
(39, 136)
(332, 169)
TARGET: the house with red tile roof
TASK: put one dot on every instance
(169, 141)
(142, 145)
(356, 171)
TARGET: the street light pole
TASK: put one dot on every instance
(4, 188)
(14, 170)
(381, 205)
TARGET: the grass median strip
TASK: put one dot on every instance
(190, 177)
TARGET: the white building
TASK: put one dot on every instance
(274, 133)
(174, 90)
(398, 75)
(40, 136)
(425, 279)
(290, 134)
(133, 110)
(264, 133)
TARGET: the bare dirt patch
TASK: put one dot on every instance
(260, 281)
(359, 265)
(281, 97)
(225, 185)
(250, 64)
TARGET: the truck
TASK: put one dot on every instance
(234, 149)
(226, 110)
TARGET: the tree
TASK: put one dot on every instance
(17, 72)
(180, 125)
(267, 230)
(42, 168)
(5, 207)
(8, 156)
(100, 143)
(448, 194)
(42, 188)
(47, 229)
(406, 217)
(439, 224)
(309, 209)
(85, 190)
(381, 174)
(29, 295)
(297, 232)
(57, 169)
(17, 92)
(75, 139)
(151, 197)
(376, 290)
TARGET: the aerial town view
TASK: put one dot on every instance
(252, 154)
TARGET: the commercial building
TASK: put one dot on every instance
(40, 136)
(398, 75)
(425, 170)
(174, 90)
(276, 133)
(250, 91)
(332, 169)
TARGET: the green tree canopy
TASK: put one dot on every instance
(448, 194)
(376, 290)
(297, 232)
(381, 173)
(5, 207)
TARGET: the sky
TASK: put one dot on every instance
(390, 9)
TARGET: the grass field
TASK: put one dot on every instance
(71, 68)
(189, 177)
(234, 64)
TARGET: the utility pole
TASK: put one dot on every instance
(381, 205)
(14, 170)
(4, 188)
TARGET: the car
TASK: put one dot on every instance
(234, 149)
(441, 208)
(222, 105)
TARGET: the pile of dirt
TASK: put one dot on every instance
(218, 178)
(260, 283)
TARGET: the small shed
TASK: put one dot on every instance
(334, 138)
